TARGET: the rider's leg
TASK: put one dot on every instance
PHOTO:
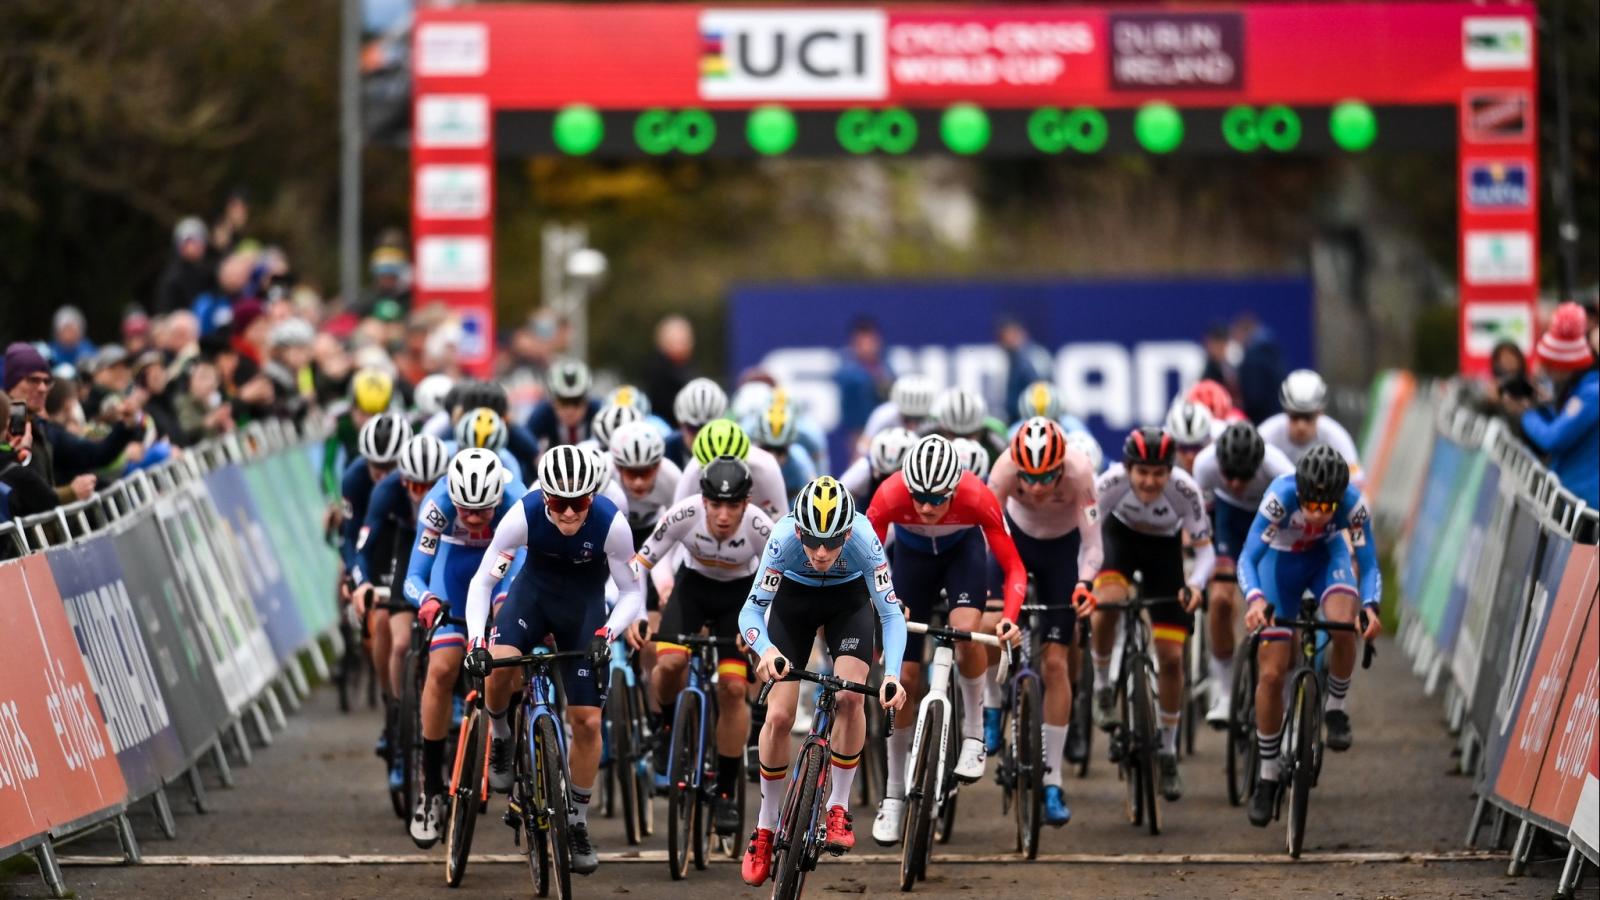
(1220, 613)
(444, 664)
(733, 720)
(1340, 606)
(1057, 708)
(1272, 662)
(849, 731)
(900, 741)
(1110, 588)
(399, 644)
(776, 746)
(583, 756)
(1169, 641)
(971, 661)
(378, 627)
(993, 690)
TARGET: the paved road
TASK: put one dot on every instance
(317, 795)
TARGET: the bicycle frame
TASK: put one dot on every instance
(697, 679)
(937, 694)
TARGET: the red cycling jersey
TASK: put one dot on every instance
(971, 506)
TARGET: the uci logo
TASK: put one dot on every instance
(793, 55)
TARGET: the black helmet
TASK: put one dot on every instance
(1148, 446)
(1240, 451)
(473, 394)
(1321, 476)
(727, 478)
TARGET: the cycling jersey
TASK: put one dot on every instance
(784, 562)
(861, 481)
(644, 510)
(1178, 508)
(768, 491)
(970, 506)
(687, 523)
(1213, 487)
(1275, 431)
(546, 427)
(446, 555)
(1280, 529)
(355, 492)
(340, 445)
(391, 515)
(1069, 505)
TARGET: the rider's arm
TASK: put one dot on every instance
(1366, 549)
(993, 523)
(350, 488)
(1198, 525)
(689, 481)
(857, 479)
(874, 568)
(889, 504)
(768, 491)
(510, 536)
(675, 522)
(1268, 515)
(630, 592)
(1091, 551)
(769, 575)
(379, 508)
(1336, 435)
(431, 523)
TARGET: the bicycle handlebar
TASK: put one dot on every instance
(831, 683)
(1369, 650)
(537, 659)
(954, 634)
(696, 640)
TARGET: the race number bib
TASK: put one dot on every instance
(880, 578)
(771, 579)
(428, 543)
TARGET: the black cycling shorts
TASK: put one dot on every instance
(843, 611)
(1053, 563)
(1157, 559)
(698, 601)
(960, 571)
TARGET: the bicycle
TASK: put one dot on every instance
(692, 759)
(1135, 740)
(1022, 765)
(1196, 682)
(1082, 721)
(627, 761)
(931, 783)
(406, 737)
(1243, 760)
(802, 825)
(1302, 721)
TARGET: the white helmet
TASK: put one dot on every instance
(568, 379)
(382, 437)
(700, 401)
(477, 479)
(1189, 423)
(481, 427)
(775, 426)
(751, 400)
(912, 396)
(960, 411)
(932, 466)
(1084, 442)
(628, 395)
(888, 450)
(567, 471)
(973, 457)
(430, 393)
(609, 419)
(600, 472)
(637, 445)
(423, 459)
(1303, 391)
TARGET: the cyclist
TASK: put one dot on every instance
(1050, 508)
(1193, 428)
(1233, 475)
(563, 417)
(777, 428)
(1214, 397)
(722, 535)
(1146, 506)
(371, 392)
(1298, 543)
(1042, 399)
(974, 458)
(628, 395)
(649, 480)
(483, 428)
(610, 417)
(382, 549)
(938, 509)
(1085, 443)
(724, 437)
(1302, 425)
(960, 413)
(574, 541)
(909, 405)
(429, 398)
(697, 403)
(884, 454)
(466, 396)
(822, 568)
(454, 528)
(378, 449)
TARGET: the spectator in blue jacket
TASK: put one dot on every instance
(863, 377)
(1567, 430)
(70, 343)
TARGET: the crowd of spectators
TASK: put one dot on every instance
(1554, 402)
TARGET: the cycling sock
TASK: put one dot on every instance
(580, 804)
(993, 695)
(1102, 671)
(844, 777)
(728, 769)
(772, 781)
(391, 715)
(499, 723)
(899, 750)
(669, 708)
(432, 767)
(1221, 674)
(1338, 689)
(971, 706)
(758, 720)
(1169, 730)
(1267, 747)
(1055, 747)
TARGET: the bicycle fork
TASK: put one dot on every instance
(938, 677)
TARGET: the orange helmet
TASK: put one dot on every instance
(1039, 446)
(1212, 396)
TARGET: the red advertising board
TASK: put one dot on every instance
(1566, 761)
(57, 765)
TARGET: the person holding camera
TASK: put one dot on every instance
(23, 491)
(62, 458)
(1567, 429)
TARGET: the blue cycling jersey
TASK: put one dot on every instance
(390, 507)
(1280, 528)
(862, 557)
(439, 531)
(355, 492)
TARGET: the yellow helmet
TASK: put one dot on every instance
(372, 389)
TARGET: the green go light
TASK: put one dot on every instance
(965, 128)
(771, 130)
(577, 130)
(1353, 125)
(1158, 126)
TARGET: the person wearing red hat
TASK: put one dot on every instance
(1567, 430)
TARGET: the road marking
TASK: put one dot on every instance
(657, 857)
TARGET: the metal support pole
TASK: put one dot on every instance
(126, 838)
(197, 789)
(241, 744)
(50, 868)
(1520, 849)
(163, 811)
(260, 720)
(220, 758)
(350, 153)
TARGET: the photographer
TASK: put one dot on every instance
(1567, 429)
(23, 491)
(62, 458)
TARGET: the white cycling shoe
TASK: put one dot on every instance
(969, 766)
(886, 828)
(1220, 712)
(426, 820)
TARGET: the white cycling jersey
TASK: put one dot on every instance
(858, 478)
(1275, 431)
(1208, 474)
(644, 510)
(768, 493)
(686, 524)
(1178, 507)
(884, 415)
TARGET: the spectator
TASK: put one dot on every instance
(70, 345)
(243, 382)
(64, 459)
(1219, 367)
(1026, 362)
(188, 273)
(671, 367)
(1260, 368)
(150, 374)
(23, 491)
(390, 293)
(863, 377)
(110, 375)
(201, 411)
(136, 337)
(287, 366)
(214, 307)
(1567, 430)
(228, 232)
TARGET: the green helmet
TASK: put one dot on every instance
(720, 437)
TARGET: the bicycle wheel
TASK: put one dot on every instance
(643, 777)
(619, 721)
(730, 844)
(917, 835)
(873, 771)
(1241, 755)
(1146, 740)
(535, 839)
(796, 825)
(1193, 711)
(1029, 782)
(1083, 704)
(682, 795)
(538, 853)
(552, 803)
(471, 758)
(944, 825)
(1306, 721)
(408, 732)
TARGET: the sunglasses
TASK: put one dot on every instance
(1042, 478)
(645, 472)
(1191, 448)
(929, 499)
(40, 380)
(568, 504)
(832, 543)
(1323, 507)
